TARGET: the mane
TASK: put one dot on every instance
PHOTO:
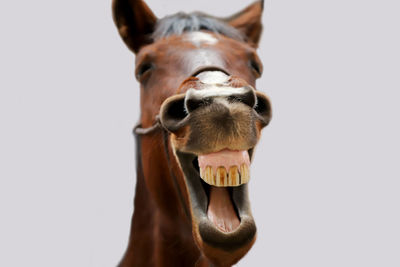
(182, 22)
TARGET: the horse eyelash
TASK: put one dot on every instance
(256, 67)
(142, 69)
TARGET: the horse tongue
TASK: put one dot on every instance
(221, 211)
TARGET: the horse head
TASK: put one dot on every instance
(201, 118)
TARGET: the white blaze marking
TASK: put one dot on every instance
(215, 91)
(199, 38)
(213, 77)
(203, 57)
(200, 57)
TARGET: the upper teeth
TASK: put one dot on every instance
(221, 177)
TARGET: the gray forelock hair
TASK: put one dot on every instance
(182, 22)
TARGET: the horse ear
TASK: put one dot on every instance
(135, 22)
(248, 21)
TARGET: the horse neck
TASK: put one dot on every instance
(159, 223)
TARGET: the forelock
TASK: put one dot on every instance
(181, 22)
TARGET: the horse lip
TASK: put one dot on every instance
(208, 68)
(198, 199)
(231, 241)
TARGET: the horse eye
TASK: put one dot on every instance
(255, 67)
(143, 69)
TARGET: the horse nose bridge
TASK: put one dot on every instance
(197, 98)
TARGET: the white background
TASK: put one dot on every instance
(325, 181)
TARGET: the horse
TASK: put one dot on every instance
(201, 118)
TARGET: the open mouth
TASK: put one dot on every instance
(220, 171)
(217, 187)
(214, 129)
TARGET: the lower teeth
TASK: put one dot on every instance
(221, 178)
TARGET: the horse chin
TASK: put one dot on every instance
(223, 245)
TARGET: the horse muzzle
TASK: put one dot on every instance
(214, 127)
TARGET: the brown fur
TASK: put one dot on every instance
(161, 231)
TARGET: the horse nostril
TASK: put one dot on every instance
(173, 112)
(263, 108)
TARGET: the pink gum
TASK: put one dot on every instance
(225, 158)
